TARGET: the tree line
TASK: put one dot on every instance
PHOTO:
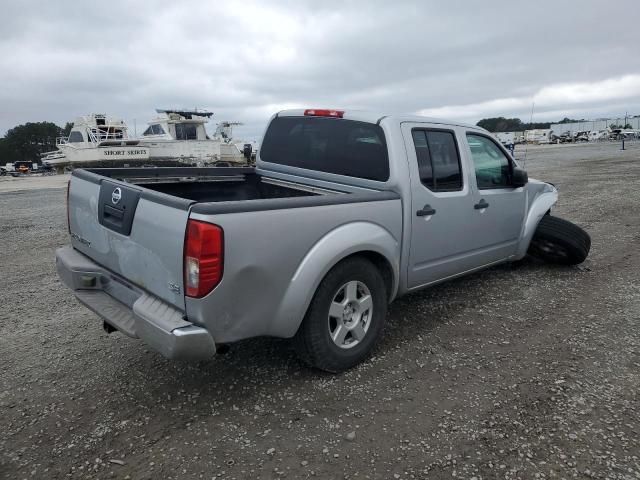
(502, 124)
(28, 141)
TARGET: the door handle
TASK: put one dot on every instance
(481, 204)
(426, 211)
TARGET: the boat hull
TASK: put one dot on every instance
(200, 151)
(108, 156)
(138, 156)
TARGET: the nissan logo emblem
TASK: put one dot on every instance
(116, 196)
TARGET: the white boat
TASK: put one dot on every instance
(181, 135)
(96, 140)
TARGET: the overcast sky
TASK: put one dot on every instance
(245, 60)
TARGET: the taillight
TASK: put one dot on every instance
(203, 258)
(316, 112)
(68, 222)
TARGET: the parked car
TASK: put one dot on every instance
(344, 212)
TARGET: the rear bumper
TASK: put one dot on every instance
(131, 310)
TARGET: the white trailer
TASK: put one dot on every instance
(540, 135)
(506, 138)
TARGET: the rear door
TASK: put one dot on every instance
(499, 208)
(135, 233)
(442, 244)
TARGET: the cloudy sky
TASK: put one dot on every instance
(245, 60)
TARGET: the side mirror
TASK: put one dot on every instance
(519, 178)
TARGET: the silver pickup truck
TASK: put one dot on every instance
(343, 213)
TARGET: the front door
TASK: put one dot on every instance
(499, 208)
(442, 243)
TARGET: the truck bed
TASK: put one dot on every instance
(212, 184)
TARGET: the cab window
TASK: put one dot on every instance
(492, 166)
(338, 146)
(438, 160)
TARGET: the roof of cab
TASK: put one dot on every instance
(376, 117)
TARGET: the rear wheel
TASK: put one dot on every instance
(345, 318)
(560, 241)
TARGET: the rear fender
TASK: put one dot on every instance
(540, 205)
(336, 245)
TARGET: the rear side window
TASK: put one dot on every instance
(343, 147)
(438, 160)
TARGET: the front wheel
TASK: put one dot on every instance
(559, 241)
(345, 317)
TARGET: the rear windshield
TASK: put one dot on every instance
(344, 147)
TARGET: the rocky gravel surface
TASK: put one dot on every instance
(519, 372)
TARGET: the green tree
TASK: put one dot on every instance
(6, 155)
(501, 124)
(67, 129)
(572, 120)
(26, 142)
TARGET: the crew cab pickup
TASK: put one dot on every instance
(343, 213)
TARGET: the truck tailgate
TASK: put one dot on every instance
(135, 233)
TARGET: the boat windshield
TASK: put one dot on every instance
(154, 129)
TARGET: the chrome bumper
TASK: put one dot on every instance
(131, 310)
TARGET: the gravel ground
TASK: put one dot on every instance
(521, 371)
(32, 182)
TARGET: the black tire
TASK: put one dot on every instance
(559, 241)
(313, 342)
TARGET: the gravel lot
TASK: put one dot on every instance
(521, 371)
(32, 182)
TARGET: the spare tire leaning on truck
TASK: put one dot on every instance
(559, 241)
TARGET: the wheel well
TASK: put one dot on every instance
(381, 263)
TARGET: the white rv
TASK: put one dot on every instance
(540, 135)
(506, 138)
